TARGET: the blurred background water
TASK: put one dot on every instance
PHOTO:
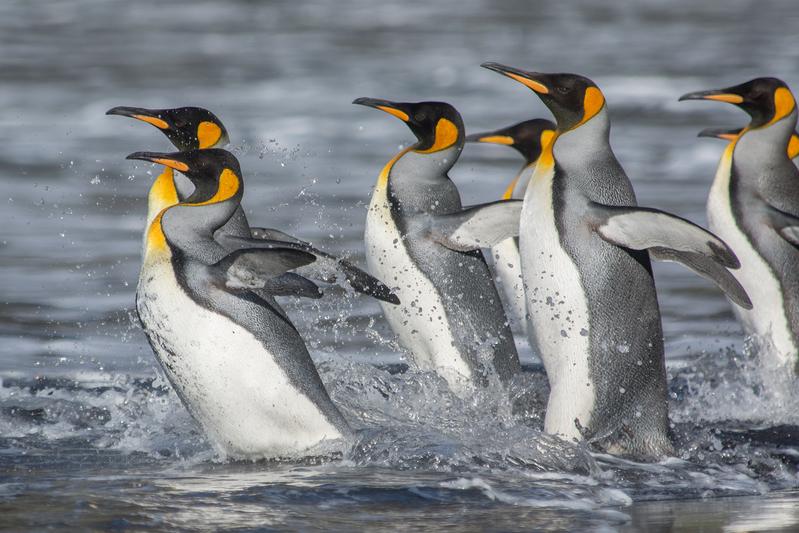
(91, 435)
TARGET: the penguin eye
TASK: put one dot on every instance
(419, 117)
(563, 90)
(180, 123)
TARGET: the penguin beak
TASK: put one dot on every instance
(150, 116)
(720, 133)
(720, 95)
(534, 80)
(490, 137)
(392, 108)
(169, 160)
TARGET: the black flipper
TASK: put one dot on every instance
(325, 268)
(251, 268)
(291, 284)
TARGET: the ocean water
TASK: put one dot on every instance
(91, 435)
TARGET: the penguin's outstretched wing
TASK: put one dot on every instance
(479, 226)
(670, 238)
(271, 234)
(326, 267)
(250, 268)
(786, 224)
(291, 284)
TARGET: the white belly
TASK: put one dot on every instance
(767, 319)
(419, 320)
(508, 268)
(558, 311)
(227, 379)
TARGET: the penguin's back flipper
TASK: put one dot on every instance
(642, 228)
(786, 224)
(326, 267)
(250, 268)
(271, 234)
(670, 238)
(291, 284)
(479, 226)
(709, 270)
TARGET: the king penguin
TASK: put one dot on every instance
(191, 128)
(238, 365)
(421, 240)
(754, 205)
(588, 279)
(527, 138)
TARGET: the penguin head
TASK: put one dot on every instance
(437, 125)
(527, 137)
(573, 99)
(215, 173)
(766, 100)
(188, 128)
(732, 134)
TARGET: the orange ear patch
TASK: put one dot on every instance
(783, 104)
(229, 184)
(446, 136)
(208, 134)
(793, 146)
(593, 100)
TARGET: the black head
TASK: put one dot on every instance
(215, 172)
(527, 137)
(437, 125)
(573, 99)
(188, 128)
(766, 100)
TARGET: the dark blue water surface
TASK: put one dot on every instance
(91, 435)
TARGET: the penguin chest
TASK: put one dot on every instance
(558, 309)
(420, 320)
(224, 375)
(508, 268)
(767, 319)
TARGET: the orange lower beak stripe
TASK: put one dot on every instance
(729, 98)
(396, 112)
(157, 122)
(171, 163)
(534, 85)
